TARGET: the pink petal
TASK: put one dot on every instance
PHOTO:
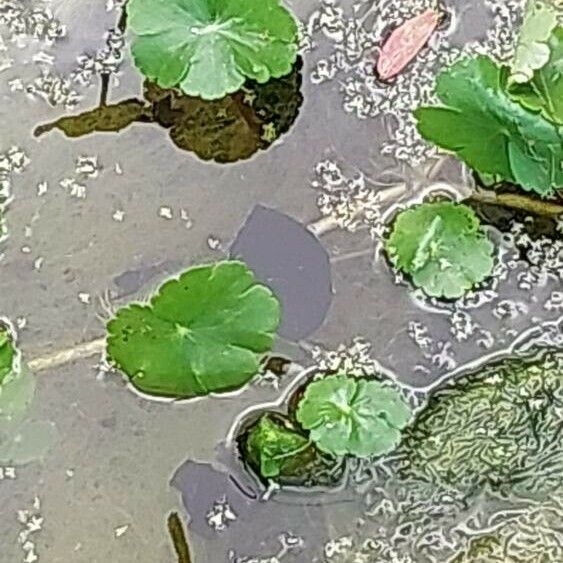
(405, 42)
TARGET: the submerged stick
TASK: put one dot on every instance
(178, 536)
(520, 202)
(62, 357)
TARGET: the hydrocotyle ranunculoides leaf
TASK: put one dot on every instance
(345, 415)
(492, 133)
(208, 48)
(287, 257)
(202, 333)
(532, 49)
(270, 447)
(544, 91)
(442, 247)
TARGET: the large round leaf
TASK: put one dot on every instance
(202, 332)
(353, 416)
(208, 48)
(441, 246)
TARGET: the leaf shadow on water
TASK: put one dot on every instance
(227, 130)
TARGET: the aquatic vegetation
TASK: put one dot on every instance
(533, 48)
(275, 449)
(442, 247)
(21, 440)
(226, 130)
(499, 138)
(201, 333)
(535, 536)
(222, 78)
(498, 428)
(544, 91)
(7, 353)
(349, 416)
(210, 48)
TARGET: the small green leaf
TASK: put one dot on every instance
(345, 415)
(7, 353)
(208, 48)
(494, 134)
(544, 92)
(532, 50)
(201, 333)
(270, 446)
(440, 245)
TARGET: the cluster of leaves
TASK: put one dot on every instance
(504, 121)
(226, 130)
(335, 416)
(209, 48)
(201, 333)
(506, 131)
(21, 440)
(499, 427)
(441, 247)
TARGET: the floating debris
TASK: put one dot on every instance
(404, 44)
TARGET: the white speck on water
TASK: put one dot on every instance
(165, 212)
(42, 188)
(73, 188)
(120, 530)
(84, 297)
(87, 166)
(118, 215)
(213, 242)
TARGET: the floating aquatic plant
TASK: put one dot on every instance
(349, 416)
(209, 48)
(441, 247)
(495, 135)
(201, 333)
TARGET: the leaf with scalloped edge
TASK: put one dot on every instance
(544, 92)
(209, 48)
(533, 49)
(441, 247)
(349, 416)
(203, 332)
(491, 132)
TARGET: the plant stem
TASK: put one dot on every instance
(104, 89)
(62, 357)
(178, 536)
(517, 201)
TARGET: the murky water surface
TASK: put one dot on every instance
(100, 220)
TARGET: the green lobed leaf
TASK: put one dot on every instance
(345, 415)
(544, 92)
(270, 446)
(201, 333)
(532, 49)
(491, 132)
(441, 246)
(208, 48)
